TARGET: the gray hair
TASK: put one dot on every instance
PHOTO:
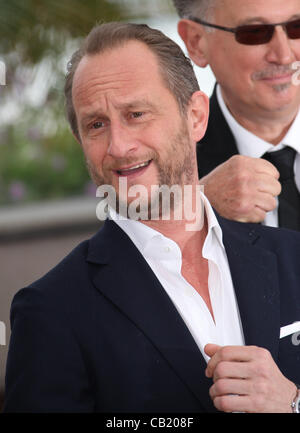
(176, 69)
(199, 8)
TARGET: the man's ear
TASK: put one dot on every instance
(193, 35)
(198, 115)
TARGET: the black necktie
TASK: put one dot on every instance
(289, 198)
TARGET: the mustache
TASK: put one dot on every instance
(273, 71)
(130, 161)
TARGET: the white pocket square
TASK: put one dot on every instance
(289, 329)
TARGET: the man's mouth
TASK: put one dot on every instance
(282, 77)
(135, 169)
(274, 75)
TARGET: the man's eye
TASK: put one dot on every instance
(97, 125)
(137, 114)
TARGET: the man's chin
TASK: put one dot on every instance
(141, 209)
(278, 98)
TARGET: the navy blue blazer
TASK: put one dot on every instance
(99, 333)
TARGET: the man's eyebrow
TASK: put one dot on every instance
(138, 103)
(262, 20)
(133, 105)
(91, 116)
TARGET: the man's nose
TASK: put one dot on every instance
(279, 48)
(121, 141)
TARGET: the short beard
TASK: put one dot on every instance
(281, 87)
(171, 171)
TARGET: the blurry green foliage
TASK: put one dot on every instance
(39, 158)
(33, 27)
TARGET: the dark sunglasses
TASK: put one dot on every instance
(256, 34)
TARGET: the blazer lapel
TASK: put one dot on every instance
(129, 282)
(255, 279)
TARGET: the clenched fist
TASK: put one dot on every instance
(246, 379)
(242, 188)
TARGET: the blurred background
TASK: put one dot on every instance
(47, 201)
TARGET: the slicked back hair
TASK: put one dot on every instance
(200, 8)
(176, 69)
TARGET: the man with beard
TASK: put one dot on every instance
(251, 151)
(148, 316)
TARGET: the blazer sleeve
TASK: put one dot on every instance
(45, 366)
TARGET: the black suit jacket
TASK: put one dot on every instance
(218, 143)
(99, 333)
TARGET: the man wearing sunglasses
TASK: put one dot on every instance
(249, 159)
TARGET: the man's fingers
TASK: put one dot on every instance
(232, 403)
(264, 166)
(211, 349)
(241, 163)
(230, 353)
(256, 212)
(229, 386)
(265, 202)
(268, 184)
(243, 188)
(247, 379)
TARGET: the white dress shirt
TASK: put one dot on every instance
(164, 257)
(248, 144)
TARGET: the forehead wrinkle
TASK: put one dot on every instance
(102, 84)
(108, 82)
(106, 69)
(110, 94)
(100, 81)
(238, 13)
(264, 20)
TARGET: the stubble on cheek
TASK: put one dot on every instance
(175, 167)
(94, 175)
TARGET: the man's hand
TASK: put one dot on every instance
(243, 188)
(246, 379)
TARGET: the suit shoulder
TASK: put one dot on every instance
(261, 235)
(64, 281)
(68, 268)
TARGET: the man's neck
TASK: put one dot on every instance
(270, 127)
(194, 267)
(268, 130)
(176, 230)
(185, 232)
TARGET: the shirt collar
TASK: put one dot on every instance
(138, 232)
(141, 234)
(249, 144)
